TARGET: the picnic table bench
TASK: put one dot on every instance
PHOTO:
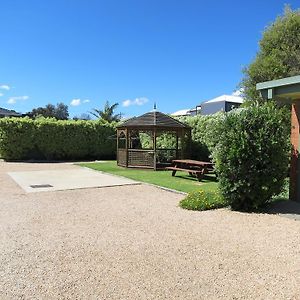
(193, 167)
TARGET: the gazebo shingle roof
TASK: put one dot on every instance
(153, 119)
(8, 113)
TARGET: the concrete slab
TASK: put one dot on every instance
(68, 179)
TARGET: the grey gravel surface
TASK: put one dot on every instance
(134, 242)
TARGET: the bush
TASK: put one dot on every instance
(205, 134)
(252, 155)
(23, 138)
(203, 200)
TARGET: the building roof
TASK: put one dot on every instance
(153, 119)
(226, 98)
(279, 82)
(9, 113)
(286, 89)
(182, 112)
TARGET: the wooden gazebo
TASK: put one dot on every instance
(141, 141)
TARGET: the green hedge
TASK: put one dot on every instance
(205, 134)
(23, 138)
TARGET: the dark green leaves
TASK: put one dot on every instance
(252, 155)
(44, 138)
(278, 55)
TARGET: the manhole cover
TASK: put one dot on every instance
(36, 186)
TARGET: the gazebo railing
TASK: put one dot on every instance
(145, 157)
(122, 157)
(140, 158)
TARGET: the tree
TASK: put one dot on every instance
(47, 111)
(107, 114)
(278, 55)
(83, 116)
(60, 112)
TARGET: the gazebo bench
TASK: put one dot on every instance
(198, 173)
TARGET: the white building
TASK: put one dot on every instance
(222, 103)
(181, 113)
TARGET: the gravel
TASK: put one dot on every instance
(134, 242)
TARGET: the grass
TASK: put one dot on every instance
(201, 195)
(181, 182)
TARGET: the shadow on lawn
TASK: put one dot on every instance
(206, 178)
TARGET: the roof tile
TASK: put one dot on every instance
(153, 119)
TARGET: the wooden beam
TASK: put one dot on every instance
(295, 164)
(126, 146)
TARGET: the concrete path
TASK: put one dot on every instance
(134, 242)
(66, 179)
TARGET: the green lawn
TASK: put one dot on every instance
(182, 182)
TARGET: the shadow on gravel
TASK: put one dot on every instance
(286, 208)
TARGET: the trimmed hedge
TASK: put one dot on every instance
(205, 134)
(44, 138)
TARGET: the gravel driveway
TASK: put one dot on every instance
(134, 242)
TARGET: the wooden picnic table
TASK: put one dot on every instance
(193, 167)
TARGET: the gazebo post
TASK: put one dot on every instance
(190, 142)
(177, 137)
(186, 149)
(126, 145)
(154, 149)
(117, 146)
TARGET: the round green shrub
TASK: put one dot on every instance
(252, 155)
(202, 200)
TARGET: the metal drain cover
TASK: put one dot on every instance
(37, 186)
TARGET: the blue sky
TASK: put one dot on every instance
(84, 52)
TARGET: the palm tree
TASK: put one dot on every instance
(107, 114)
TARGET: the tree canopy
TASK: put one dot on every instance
(278, 55)
(59, 112)
(83, 116)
